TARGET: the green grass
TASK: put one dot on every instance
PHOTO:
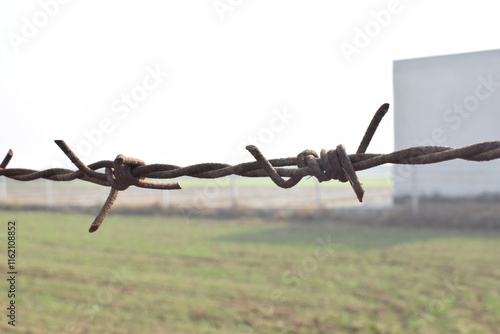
(158, 275)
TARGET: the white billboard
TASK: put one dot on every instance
(451, 100)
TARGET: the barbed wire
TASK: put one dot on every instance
(334, 164)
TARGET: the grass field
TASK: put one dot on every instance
(159, 275)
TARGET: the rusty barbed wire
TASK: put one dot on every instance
(334, 164)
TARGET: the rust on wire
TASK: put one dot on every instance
(334, 164)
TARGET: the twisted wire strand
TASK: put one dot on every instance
(334, 164)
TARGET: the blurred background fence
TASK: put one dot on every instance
(229, 193)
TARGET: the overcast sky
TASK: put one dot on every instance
(187, 82)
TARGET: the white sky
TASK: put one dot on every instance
(228, 73)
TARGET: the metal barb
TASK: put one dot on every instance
(113, 193)
(377, 118)
(7, 158)
(334, 164)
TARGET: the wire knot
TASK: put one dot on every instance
(120, 175)
(331, 165)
